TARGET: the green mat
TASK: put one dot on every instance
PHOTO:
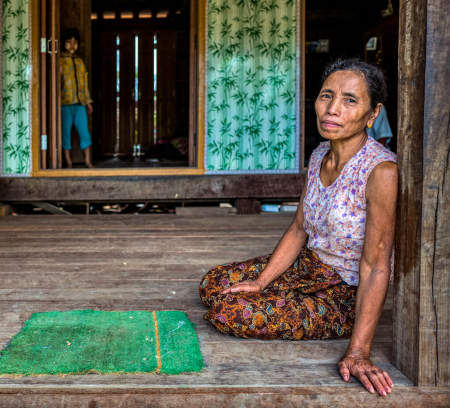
(86, 341)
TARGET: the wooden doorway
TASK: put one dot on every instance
(50, 117)
(142, 62)
(140, 74)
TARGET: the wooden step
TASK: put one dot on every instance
(155, 262)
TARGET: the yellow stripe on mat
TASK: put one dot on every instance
(158, 351)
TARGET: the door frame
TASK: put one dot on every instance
(197, 94)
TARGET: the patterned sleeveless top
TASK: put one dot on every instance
(335, 216)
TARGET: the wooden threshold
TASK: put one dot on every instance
(162, 171)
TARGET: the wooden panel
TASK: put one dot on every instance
(146, 92)
(106, 118)
(152, 188)
(410, 132)
(434, 357)
(127, 122)
(182, 84)
(166, 87)
(421, 312)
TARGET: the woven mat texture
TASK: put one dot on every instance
(89, 341)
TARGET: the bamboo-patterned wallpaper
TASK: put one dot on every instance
(16, 72)
(252, 86)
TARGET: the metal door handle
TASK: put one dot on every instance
(49, 48)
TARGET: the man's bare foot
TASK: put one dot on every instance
(69, 165)
(89, 165)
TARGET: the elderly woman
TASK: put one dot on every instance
(329, 274)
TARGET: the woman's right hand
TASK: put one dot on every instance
(245, 286)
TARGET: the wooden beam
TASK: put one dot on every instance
(52, 209)
(174, 188)
(421, 318)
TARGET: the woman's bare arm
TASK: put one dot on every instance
(374, 273)
(283, 256)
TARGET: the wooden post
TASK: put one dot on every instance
(421, 305)
(1, 93)
(434, 364)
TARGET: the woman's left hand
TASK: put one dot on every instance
(372, 377)
(245, 286)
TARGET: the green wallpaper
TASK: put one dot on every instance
(16, 67)
(252, 86)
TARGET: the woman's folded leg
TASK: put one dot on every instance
(289, 314)
(308, 301)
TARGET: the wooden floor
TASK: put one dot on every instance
(154, 262)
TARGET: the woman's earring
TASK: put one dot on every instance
(369, 125)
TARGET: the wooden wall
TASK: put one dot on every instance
(421, 312)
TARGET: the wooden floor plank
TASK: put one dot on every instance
(128, 262)
(221, 397)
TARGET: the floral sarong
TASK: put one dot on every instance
(308, 301)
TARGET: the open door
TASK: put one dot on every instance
(141, 75)
(143, 79)
(50, 85)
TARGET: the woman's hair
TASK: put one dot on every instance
(376, 84)
(70, 33)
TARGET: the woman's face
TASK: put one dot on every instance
(343, 106)
(71, 45)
